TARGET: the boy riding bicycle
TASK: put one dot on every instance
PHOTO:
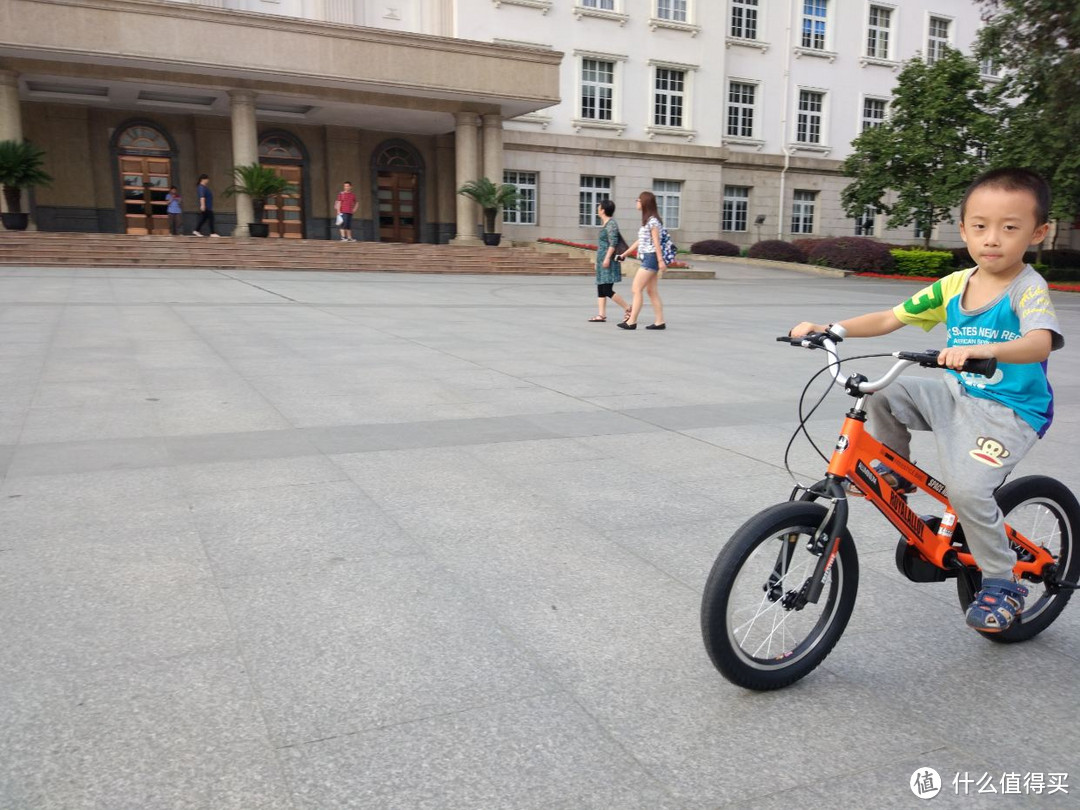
(983, 427)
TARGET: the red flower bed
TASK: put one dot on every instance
(552, 241)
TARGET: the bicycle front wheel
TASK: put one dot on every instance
(755, 630)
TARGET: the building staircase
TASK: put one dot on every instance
(83, 250)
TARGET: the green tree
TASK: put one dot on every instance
(1035, 44)
(916, 166)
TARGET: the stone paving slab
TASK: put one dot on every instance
(316, 540)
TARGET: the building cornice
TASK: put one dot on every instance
(274, 22)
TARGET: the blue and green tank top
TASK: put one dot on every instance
(1024, 306)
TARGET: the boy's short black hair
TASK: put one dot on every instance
(608, 207)
(1014, 179)
(203, 177)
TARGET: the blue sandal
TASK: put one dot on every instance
(996, 606)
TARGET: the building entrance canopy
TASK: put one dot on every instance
(134, 54)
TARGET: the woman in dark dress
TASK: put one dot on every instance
(608, 268)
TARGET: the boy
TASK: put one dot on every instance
(982, 427)
(344, 207)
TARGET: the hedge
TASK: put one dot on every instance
(853, 253)
(777, 251)
(714, 247)
(923, 262)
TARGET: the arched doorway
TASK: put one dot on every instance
(144, 158)
(284, 213)
(398, 169)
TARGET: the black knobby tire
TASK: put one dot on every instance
(787, 644)
(1046, 512)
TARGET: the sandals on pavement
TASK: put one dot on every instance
(996, 606)
(597, 319)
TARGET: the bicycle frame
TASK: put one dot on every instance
(853, 458)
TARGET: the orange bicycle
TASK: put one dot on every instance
(782, 589)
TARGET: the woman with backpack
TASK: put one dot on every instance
(648, 245)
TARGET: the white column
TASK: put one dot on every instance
(10, 118)
(445, 173)
(465, 146)
(245, 149)
(493, 156)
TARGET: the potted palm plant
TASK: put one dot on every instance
(491, 198)
(20, 167)
(260, 183)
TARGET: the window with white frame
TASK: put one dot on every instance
(874, 111)
(808, 122)
(814, 18)
(802, 211)
(525, 213)
(592, 192)
(742, 97)
(744, 19)
(864, 225)
(736, 204)
(597, 89)
(674, 10)
(921, 231)
(668, 97)
(606, 5)
(668, 201)
(879, 32)
(937, 39)
(988, 68)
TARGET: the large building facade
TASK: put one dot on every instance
(736, 113)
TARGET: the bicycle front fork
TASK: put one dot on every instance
(824, 543)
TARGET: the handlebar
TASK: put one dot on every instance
(857, 384)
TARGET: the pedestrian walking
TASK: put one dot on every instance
(206, 206)
(608, 264)
(652, 264)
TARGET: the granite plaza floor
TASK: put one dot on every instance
(304, 540)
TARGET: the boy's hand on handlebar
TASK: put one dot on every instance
(954, 357)
(805, 328)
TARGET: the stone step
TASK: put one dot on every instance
(37, 249)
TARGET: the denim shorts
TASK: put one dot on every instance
(649, 262)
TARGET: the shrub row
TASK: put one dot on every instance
(714, 247)
(924, 262)
(862, 254)
(777, 250)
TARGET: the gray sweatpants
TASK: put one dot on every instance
(979, 441)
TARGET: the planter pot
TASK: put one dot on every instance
(260, 229)
(15, 221)
(492, 239)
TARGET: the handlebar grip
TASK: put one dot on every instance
(985, 367)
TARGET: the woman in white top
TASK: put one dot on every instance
(652, 262)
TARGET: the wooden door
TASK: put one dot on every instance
(399, 219)
(285, 213)
(145, 182)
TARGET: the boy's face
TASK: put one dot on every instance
(347, 186)
(998, 227)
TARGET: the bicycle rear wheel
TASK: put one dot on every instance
(1046, 513)
(754, 633)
